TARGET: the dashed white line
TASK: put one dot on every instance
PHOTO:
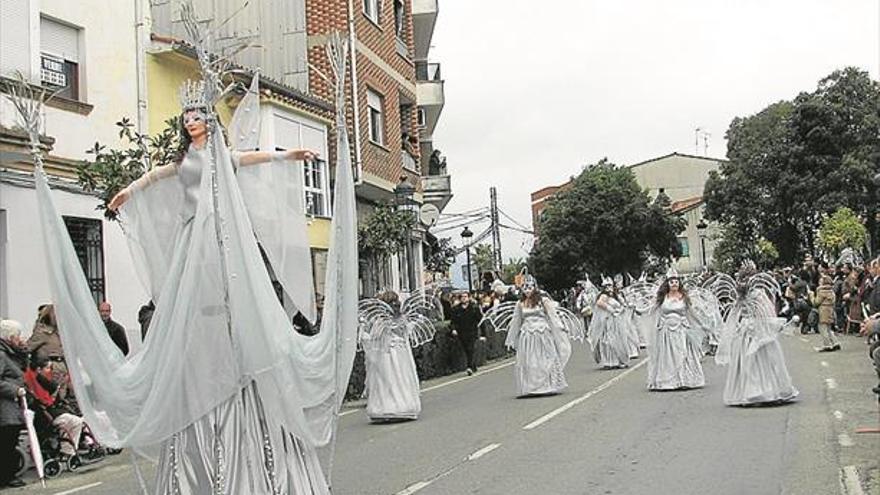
(804, 339)
(79, 489)
(415, 487)
(849, 481)
(838, 415)
(844, 440)
(831, 383)
(824, 364)
(556, 412)
(485, 450)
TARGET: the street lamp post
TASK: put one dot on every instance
(466, 235)
(403, 197)
(701, 231)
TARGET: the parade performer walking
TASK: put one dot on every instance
(675, 332)
(749, 342)
(540, 332)
(237, 401)
(608, 333)
(389, 332)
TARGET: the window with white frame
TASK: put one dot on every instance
(377, 118)
(314, 180)
(60, 57)
(292, 132)
(371, 9)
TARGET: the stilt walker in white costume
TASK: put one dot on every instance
(390, 330)
(236, 400)
(540, 331)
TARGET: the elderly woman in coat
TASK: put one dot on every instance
(11, 390)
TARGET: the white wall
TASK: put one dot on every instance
(682, 176)
(25, 272)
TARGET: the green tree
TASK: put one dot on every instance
(796, 161)
(382, 233)
(112, 169)
(842, 229)
(603, 223)
(441, 256)
(483, 258)
(510, 269)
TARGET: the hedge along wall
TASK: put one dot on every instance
(439, 357)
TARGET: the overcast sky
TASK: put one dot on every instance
(536, 90)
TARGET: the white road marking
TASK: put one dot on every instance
(413, 488)
(478, 373)
(556, 412)
(485, 450)
(849, 481)
(824, 364)
(831, 383)
(350, 411)
(803, 339)
(844, 440)
(79, 489)
(838, 415)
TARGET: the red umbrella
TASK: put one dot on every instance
(36, 453)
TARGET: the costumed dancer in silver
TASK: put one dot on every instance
(389, 331)
(540, 332)
(749, 342)
(675, 331)
(236, 400)
(608, 336)
(629, 318)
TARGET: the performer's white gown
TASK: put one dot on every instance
(542, 350)
(392, 382)
(239, 402)
(674, 347)
(609, 335)
(756, 371)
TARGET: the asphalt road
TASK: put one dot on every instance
(606, 435)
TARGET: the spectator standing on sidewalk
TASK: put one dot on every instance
(465, 318)
(115, 330)
(11, 390)
(825, 300)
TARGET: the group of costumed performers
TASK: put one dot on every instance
(225, 393)
(540, 331)
(389, 331)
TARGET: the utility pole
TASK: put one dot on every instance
(496, 228)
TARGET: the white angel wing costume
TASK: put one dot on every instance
(215, 330)
(414, 320)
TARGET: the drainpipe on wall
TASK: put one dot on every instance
(141, 24)
(352, 43)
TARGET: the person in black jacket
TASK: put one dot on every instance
(116, 331)
(11, 391)
(465, 318)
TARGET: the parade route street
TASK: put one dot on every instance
(606, 435)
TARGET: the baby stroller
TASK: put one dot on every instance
(54, 440)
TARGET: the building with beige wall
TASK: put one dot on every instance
(84, 50)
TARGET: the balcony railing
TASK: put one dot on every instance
(428, 72)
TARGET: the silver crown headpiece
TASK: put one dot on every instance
(672, 273)
(606, 281)
(192, 95)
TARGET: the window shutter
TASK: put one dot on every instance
(15, 50)
(374, 100)
(59, 39)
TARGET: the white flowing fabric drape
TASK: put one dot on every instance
(196, 355)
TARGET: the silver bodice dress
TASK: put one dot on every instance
(542, 351)
(609, 334)
(675, 348)
(392, 382)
